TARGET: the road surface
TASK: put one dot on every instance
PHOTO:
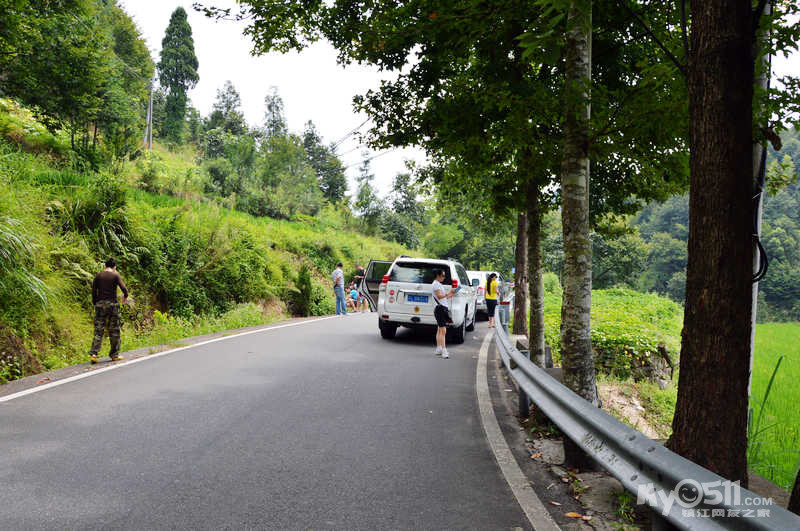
(319, 425)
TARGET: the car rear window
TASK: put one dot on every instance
(417, 272)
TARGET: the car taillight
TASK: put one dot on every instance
(480, 291)
(391, 292)
(385, 279)
(455, 283)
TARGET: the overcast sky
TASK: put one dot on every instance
(313, 86)
(311, 83)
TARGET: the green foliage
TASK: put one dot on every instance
(302, 294)
(329, 169)
(80, 64)
(226, 113)
(17, 278)
(774, 439)
(626, 325)
(177, 72)
(552, 284)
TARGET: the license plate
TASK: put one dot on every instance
(417, 298)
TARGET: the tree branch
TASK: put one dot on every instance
(649, 31)
(684, 34)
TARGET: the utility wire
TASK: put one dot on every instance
(371, 158)
(349, 134)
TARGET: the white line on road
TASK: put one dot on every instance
(149, 357)
(534, 509)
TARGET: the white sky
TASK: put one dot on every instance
(313, 86)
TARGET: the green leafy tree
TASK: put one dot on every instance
(274, 116)
(226, 113)
(367, 203)
(177, 71)
(328, 167)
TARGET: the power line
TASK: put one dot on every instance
(371, 158)
(349, 134)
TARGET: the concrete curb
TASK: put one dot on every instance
(537, 514)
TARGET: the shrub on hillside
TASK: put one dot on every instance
(301, 297)
(627, 326)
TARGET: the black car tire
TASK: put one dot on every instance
(457, 334)
(471, 325)
(388, 330)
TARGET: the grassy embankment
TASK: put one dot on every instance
(629, 323)
(193, 265)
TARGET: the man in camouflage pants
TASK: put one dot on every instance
(106, 309)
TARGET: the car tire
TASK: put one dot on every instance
(388, 330)
(471, 325)
(457, 335)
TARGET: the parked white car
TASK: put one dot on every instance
(405, 296)
(478, 281)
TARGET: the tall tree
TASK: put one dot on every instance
(366, 202)
(715, 344)
(328, 167)
(226, 113)
(177, 72)
(576, 343)
(274, 116)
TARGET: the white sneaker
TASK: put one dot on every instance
(445, 355)
(438, 351)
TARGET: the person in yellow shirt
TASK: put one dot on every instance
(491, 297)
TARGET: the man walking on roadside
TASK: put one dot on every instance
(338, 290)
(106, 309)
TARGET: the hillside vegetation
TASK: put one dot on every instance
(192, 263)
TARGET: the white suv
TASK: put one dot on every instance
(405, 297)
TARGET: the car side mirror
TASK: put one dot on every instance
(475, 282)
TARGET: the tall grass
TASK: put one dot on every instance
(774, 448)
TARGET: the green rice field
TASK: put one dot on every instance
(775, 451)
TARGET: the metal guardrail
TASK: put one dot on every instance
(681, 492)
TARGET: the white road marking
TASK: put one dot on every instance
(534, 509)
(87, 374)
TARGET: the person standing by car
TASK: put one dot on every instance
(491, 297)
(106, 309)
(442, 312)
(361, 274)
(338, 289)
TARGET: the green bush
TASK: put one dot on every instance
(302, 295)
(626, 325)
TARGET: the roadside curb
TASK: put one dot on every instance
(537, 514)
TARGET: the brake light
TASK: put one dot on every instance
(480, 290)
(385, 279)
(455, 283)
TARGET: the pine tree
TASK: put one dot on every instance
(177, 72)
(226, 112)
(274, 118)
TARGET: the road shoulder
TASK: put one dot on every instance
(49, 377)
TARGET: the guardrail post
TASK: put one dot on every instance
(524, 401)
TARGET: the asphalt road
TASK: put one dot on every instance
(320, 425)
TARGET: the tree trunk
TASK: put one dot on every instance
(576, 343)
(794, 499)
(521, 276)
(710, 423)
(535, 284)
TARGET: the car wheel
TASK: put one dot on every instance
(459, 333)
(471, 325)
(388, 330)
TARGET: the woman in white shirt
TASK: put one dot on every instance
(441, 312)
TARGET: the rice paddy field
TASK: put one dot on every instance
(775, 437)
